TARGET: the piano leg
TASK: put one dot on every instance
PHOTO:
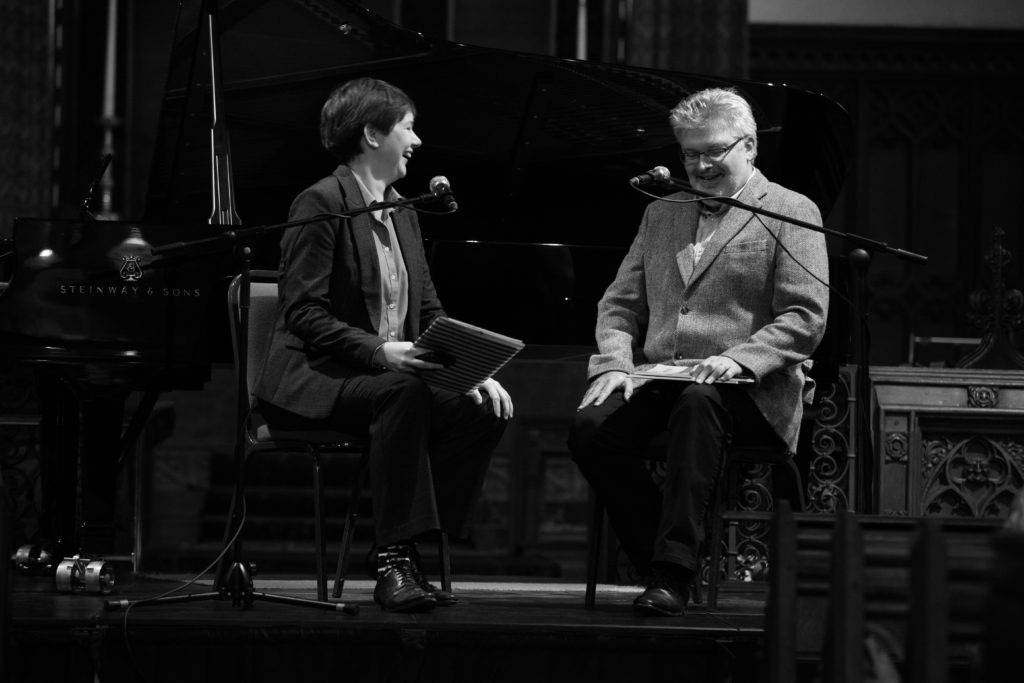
(79, 447)
(58, 464)
(102, 419)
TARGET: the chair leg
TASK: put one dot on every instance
(318, 527)
(695, 593)
(594, 548)
(798, 485)
(350, 527)
(781, 613)
(445, 559)
(714, 535)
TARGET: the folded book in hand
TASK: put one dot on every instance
(475, 353)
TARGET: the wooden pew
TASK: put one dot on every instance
(5, 581)
(1005, 608)
(916, 586)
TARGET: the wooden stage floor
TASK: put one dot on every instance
(501, 631)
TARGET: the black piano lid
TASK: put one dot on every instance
(537, 149)
(86, 293)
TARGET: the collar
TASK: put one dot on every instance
(390, 195)
(715, 212)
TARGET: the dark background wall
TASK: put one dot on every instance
(937, 166)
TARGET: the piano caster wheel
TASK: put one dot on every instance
(81, 575)
(33, 559)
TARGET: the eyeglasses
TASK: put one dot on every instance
(715, 154)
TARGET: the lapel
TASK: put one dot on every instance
(684, 258)
(361, 234)
(732, 223)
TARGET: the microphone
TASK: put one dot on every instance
(658, 174)
(439, 187)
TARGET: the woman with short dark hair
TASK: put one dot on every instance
(354, 293)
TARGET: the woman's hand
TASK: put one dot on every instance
(501, 402)
(603, 386)
(402, 357)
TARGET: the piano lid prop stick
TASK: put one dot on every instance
(87, 200)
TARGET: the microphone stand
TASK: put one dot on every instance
(234, 581)
(863, 491)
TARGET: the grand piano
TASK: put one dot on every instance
(538, 151)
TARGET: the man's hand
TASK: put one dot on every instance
(501, 402)
(714, 368)
(402, 357)
(603, 386)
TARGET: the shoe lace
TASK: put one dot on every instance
(417, 571)
(404, 570)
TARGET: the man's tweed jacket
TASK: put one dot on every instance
(749, 297)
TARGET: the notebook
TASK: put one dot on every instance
(681, 373)
(475, 353)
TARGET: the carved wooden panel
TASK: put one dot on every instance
(967, 475)
(950, 442)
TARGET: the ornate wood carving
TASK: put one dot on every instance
(897, 445)
(971, 476)
(982, 396)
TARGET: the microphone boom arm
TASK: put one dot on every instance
(223, 241)
(862, 241)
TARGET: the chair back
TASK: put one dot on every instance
(262, 314)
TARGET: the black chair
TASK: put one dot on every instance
(780, 460)
(262, 438)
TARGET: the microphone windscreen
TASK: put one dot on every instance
(439, 184)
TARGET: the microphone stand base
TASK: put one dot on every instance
(238, 588)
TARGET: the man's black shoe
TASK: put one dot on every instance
(398, 590)
(667, 592)
(444, 598)
(661, 600)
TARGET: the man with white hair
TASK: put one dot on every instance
(720, 289)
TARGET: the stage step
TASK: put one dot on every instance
(278, 533)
